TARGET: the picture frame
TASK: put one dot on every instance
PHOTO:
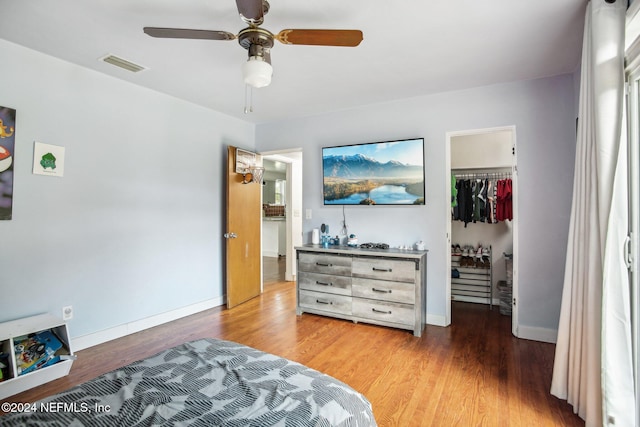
(48, 159)
(7, 160)
(244, 159)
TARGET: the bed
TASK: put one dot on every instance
(206, 382)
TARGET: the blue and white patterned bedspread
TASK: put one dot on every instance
(206, 382)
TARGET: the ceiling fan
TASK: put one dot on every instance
(257, 71)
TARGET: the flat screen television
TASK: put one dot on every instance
(376, 173)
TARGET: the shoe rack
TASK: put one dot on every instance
(472, 275)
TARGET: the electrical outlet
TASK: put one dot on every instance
(67, 312)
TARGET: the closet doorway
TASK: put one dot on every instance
(482, 230)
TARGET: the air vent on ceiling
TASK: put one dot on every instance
(122, 63)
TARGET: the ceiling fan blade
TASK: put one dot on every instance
(349, 38)
(181, 33)
(251, 11)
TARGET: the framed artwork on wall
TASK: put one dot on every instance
(7, 153)
(48, 159)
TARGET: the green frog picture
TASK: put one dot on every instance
(48, 161)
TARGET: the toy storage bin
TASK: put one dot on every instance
(11, 332)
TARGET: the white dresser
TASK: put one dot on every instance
(380, 286)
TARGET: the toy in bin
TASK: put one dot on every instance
(35, 351)
(4, 366)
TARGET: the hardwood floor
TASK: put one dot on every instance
(471, 373)
(273, 269)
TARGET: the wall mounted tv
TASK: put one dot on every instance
(377, 173)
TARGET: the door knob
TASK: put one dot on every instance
(230, 235)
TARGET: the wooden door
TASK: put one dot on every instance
(243, 241)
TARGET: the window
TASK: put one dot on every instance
(281, 192)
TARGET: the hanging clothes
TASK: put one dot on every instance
(491, 202)
(457, 210)
(465, 201)
(508, 208)
(504, 205)
(500, 200)
(454, 192)
(476, 202)
(495, 201)
(481, 198)
(482, 201)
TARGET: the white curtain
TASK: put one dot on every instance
(593, 367)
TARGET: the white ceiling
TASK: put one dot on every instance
(410, 47)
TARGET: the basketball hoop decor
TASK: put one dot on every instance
(246, 164)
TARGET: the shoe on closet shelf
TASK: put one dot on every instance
(457, 250)
(467, 256)
(479, 252)
(486, 252)
(471, 260)
(463, 259)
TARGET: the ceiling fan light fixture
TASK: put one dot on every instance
(257, 72)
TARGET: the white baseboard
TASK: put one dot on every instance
(89, 340)
(538, 334)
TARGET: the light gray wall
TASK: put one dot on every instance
(544, 116)
(134, 227)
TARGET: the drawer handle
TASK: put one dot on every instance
(383, 291)
(386, 270)
(323, 283)
(320, 264)
(375, 310)
(319, 301)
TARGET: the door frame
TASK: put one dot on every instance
(293, 222)
(633, 130)
(514, 178)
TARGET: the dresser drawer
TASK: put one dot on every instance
(402, 314)
(324, 283)
(331, 303)
(385, 269)
(383, 290)
(325, 264)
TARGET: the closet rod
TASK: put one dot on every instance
(492, 175)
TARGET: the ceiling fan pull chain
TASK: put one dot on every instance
(248, 99)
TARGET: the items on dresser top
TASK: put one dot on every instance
(374, 245)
